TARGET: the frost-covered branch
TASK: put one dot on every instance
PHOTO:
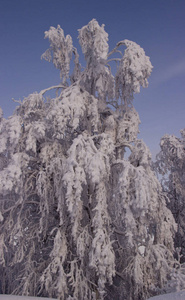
(60, 86)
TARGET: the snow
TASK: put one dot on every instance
(172, 296)
(11, 297)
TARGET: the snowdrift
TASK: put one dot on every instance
(172, 296)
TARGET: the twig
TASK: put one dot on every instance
(17, 101)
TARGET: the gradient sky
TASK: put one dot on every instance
(158, 26)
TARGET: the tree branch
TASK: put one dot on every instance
(114, 59)
(117, 46)
(17, 101)
(124, 145)
(51, 88)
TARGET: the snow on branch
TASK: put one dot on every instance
(60, 50)
(60, 86)
(133, 71)
(93, 40)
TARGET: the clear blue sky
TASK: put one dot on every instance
(156, 25)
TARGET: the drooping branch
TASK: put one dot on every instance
(60, 86)
(115, 49)
(114, 59)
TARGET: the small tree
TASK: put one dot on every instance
(78, 219)
(171, 165)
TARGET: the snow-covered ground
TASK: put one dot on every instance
(173, 296)
(11, 297)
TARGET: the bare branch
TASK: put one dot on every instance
(17, 101)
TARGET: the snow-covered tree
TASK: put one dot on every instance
(171, 165)
(78, 220)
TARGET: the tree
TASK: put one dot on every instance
(171, 165)
(78, 219)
